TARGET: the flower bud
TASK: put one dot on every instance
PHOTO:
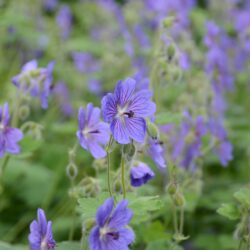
(178, 199)
(172, 188)
(88, 225)
(168, 22)
(71, 171)
(152, 130)
(170, 52)
(128, 151)
(24, 112)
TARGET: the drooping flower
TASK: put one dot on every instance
(126, 111)
(140, 174)
(35, 81)
(111, 231)
(156, 152)
(9, 137)
(91, 131)
(41, 236)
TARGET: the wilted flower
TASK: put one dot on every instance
(111, 231)
(41, 236)
(35, 81)
(126, 111)
(9, 137)
(91, 131)
(140, 174)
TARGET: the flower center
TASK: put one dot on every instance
(122, 111)
(107, 231)
(45, 245)
(1, 127)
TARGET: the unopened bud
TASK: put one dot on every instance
(128, 151)
(178, 199)
(71, 171)
(168, 22)
(152, 130)
(172, 188)
(88, 224)
(170, 52)
(24, 112)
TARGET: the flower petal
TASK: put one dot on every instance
(42, 221)
(81, 118)
(136, 128)
(109, 107)
(124, 91)
(121, 216)
(104, 212)
(95, 149)
(119, 131)
(141, 104)
(94, 239)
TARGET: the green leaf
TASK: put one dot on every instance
(243, 196)
(6, 246)
(29, 144)
(163, 244)
(230, 211)
(68, 245)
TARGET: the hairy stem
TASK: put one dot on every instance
(123, 178)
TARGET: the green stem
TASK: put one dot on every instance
(108, 168)
(123, 178)
(175, 220)
(182, 220)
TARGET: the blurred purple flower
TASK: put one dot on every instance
(140, 174)
(35, 81)
(92, 132)
(41, 236)
(62, 95)
(9, 137)
(213, 34)
(224, 151)
(156, 152)
(64, 20)
(141, 36)
(111, 231)
(50, 5)
(85, 62)
(126, 111)
(95, 86)
(184, 61)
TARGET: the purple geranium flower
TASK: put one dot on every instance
(9, 137)
(35, 81)
(126, 111)
(41, 236)
(140, 174)
(111, 231)
(92, 132)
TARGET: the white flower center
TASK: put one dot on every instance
(44, 244)
(121, 111)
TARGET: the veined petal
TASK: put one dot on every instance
(136, 128)
(121, 216)
(124, 91)
(12, 136)
(109, 107)
(104, 133)
(82, 140)
(141, 104)
(96, 150)
(42, 221)
(81, 119)
(93, 115)
(119, 131)
(104, 212)
(94, 239)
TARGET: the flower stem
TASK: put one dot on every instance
(182, 220)
(108, 168)
(123, 178)
(175, 220)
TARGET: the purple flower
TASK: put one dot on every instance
(91, 131)
(85, 62)
(140, 174)
(156, 152)
(35, 81)
(41, 236)
(9, 137)
(111, 231)
(126, 111)
(62, 94)
(64, 20)
(50, 5)
(224, 152)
